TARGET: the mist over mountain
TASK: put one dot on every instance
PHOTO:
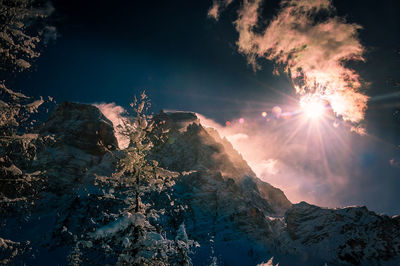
(54, 206)
(293, 114)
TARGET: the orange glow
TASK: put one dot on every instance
(313, 107)
(277, 111)
(313, 52)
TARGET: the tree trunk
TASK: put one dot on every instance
(136, 231)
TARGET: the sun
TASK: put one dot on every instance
(312, 107)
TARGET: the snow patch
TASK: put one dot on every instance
(136, 219)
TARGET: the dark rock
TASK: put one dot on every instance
(222, 203)
(82, 126)
(352, 235)
(177, 121)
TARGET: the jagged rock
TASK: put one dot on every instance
(84, 140)
(235, 216)
(226, 201)
(198, 149)
(177, 121)
(352, 235)
(82, 126)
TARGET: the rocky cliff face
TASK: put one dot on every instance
(236, 218)
(352, 235)
(41, 176)
(81, 126)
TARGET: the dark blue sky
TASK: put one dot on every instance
(107, 51)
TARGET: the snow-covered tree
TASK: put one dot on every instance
(18, 149)
(16, 110)
(133, 236)
(137, 174)
(22, 27)
(184, 247)
(20, 184)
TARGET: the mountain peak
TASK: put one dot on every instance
(224, 206)
(82, 126)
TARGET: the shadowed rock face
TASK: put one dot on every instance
(222, 186)
(177, 121)
(234, 215)
(183, 117)
(195, 148)
(82, 126)
(352, 235)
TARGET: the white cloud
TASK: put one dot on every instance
(312, 52)
(335, 168)
(270, 166)
(114, 113)
(237, 137)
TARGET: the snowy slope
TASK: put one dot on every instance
(236, 218)
(352, 235)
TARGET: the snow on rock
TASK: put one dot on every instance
(136, 219)
(180, 119)
(224, 198)
(82, 126)
(42, 177)
(200, 149)
(236, 218)
(352, 235)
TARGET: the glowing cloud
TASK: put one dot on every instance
(313, 107)
(313, 52)
(114, 113)
(270, 166)
(326, 171)
(217, 7)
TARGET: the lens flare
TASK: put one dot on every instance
(312, 48)
(277, 111)
(313, 107)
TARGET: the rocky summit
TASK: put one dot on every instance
(82, 126)
(49, 197)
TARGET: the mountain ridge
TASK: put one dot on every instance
(237, 218)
